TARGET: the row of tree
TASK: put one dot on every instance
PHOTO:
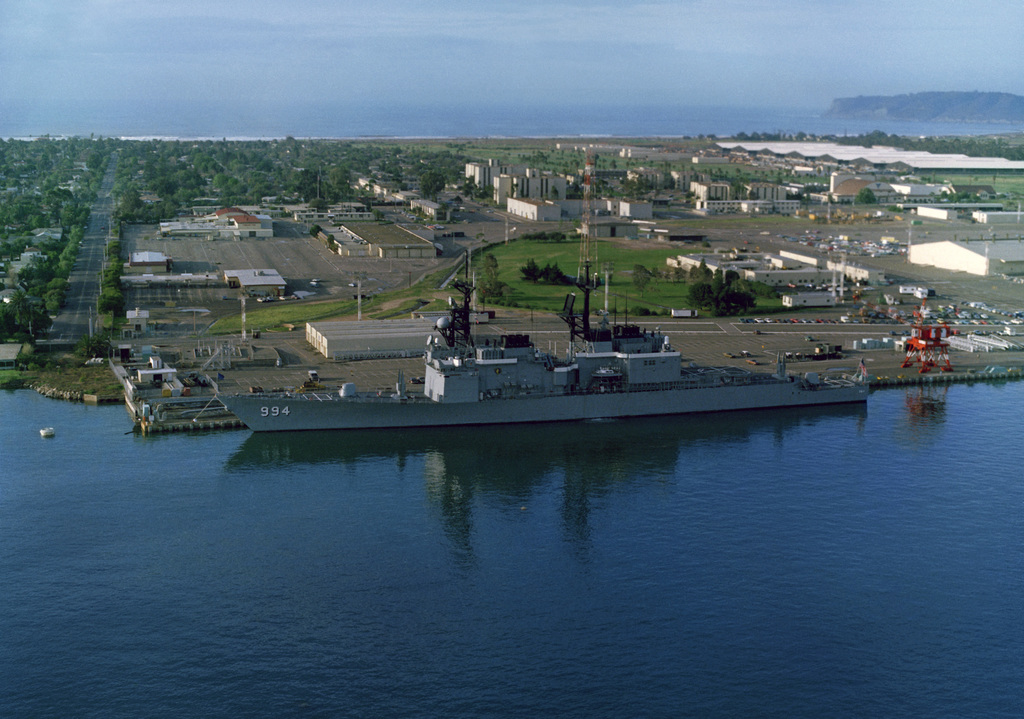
(549, 274)
(111, 295)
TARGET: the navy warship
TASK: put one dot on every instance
(610, 371)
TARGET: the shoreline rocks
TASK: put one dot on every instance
(54, 393)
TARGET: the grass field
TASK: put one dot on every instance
(511, 257)
(279, 314)
(659, 295)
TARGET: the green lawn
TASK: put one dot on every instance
(659, 294)
(276, 315)
(11, 379)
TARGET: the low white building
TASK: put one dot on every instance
(534, 210)
(918, 193)
(855, 272)
(809, 299)
(148, 261)
(636, 209)
(256, 283)
(999, 218)
(937, 213)
(748, 207)
(428, 207)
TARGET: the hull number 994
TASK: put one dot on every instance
(275, 411)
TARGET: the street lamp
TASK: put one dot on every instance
(608, 268)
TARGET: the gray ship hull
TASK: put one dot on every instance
(312, 411)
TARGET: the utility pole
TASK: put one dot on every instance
(360, 276)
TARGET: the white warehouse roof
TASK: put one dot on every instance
(878, 155)
(978, 257)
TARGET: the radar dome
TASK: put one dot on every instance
(443, 323)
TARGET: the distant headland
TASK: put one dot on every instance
(933, 107)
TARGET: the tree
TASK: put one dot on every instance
(24, 317)
(641, 278)
(701, 273)
(20, 306)
(530, 271)
(129, 203)
(866, 197)
(431, 183)
(96, 346)
(552, 274)
(732, 302)
(490, 267)
(492, 286)
(701, 295)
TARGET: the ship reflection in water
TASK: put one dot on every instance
(572, 464)
(926, 412)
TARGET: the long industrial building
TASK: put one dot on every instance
(370, 339)
(977, 257)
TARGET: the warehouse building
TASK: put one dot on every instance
(383, 241)
(977, 257)
(370, 339)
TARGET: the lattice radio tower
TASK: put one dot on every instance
(587, 260)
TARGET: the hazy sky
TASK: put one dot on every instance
(68, 55)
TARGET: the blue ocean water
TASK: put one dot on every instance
(206, 119)
(827, 562)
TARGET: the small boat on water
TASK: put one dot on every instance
(47, 432)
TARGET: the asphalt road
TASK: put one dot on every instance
(72, 322)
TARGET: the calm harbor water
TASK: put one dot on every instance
(834, 562)
(213, 120)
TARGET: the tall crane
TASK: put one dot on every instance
(927, 345)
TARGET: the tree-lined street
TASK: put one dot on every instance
(72, 322)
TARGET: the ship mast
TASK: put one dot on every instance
(579, 324)
(456, 329)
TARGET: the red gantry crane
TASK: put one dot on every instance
(927, 345)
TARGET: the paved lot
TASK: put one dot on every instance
(298, 257)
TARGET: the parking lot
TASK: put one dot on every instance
(297, 256)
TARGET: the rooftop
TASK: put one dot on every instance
(878, 155)
(385, 235)
(256, 277)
